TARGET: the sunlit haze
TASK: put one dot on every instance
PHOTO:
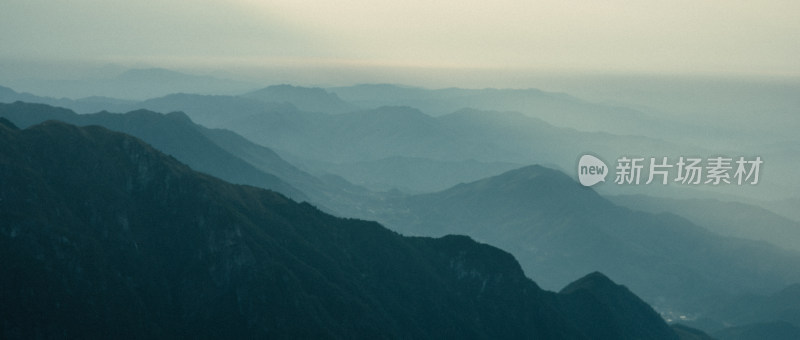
(347, 41)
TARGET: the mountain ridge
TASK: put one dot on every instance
(556, 228)
(734, 219)
(134, 244)
(173, 133)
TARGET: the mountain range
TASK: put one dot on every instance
(557, 228)
(558, 109)
(321, 142)
(218, 152)
(682, 256)
(396, 132)
(734, 219)
(104, 236)
(173, 133)
(304, 98)
(83, 105)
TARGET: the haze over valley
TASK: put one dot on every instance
(375, 170)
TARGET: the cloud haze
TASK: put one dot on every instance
(728, 37)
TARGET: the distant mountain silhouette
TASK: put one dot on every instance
(304, 98)
(174, 134)
(275, 125)
(401, 131)
(557, 229)
(217, 152)
(390, 131)
(211, 110)
(370, 136)
(598, 301)
(8, 95)
(555, 108)
(725, 218)
(103, 236)
(336, 194)
(83, 105)
(362, 135)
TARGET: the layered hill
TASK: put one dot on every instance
(725, 218)
(103, 236)
(218, 152)
(403, 132)
(557, 228)
(559, 109)
(174, 134)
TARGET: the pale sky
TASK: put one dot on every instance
(679, 36)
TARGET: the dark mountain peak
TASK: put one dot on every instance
(523, 205)
(179, 116)
(533, 188)
(598, 302)
(54, 127)
(174, 134)
(24, 114)
(595, 281)
(94, 155)
(534, 171)
(532, 180)
(89, 135)
(9, 95)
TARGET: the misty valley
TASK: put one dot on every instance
(161, 204)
